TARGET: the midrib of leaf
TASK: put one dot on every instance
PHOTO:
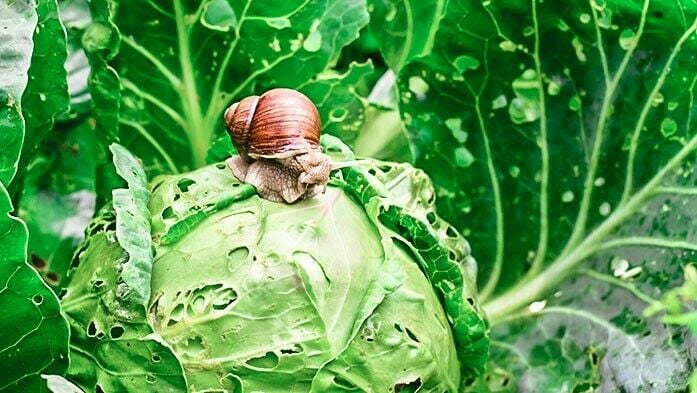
(198, 134)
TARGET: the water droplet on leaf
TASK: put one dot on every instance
(668, 127)
(585, 18)
(499, 102)
(418, 86)
(575, 103)
(604, 209)
(463, 157)
(464, 63)
(627, 39)
(553, 88)
(514, 171)
(525, 107)
(455, 126)
(567, 196)
(507, 46)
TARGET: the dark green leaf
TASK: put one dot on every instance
(192, 60)
(553, 131)
(341, 107)
(46, 96)
(17, 22)
(34, 338)
(405, 29)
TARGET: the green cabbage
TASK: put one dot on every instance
(363, 288)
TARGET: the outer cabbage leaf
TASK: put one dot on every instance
(559, 137)
(114, 347)
(18, 20)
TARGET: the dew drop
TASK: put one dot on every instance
(567, 196)
(599, 182)
(499, 102)
(668, 127)
(507, 46)
(464, 63)
(575, 103)
(463, 157)
(672, 106)
(514, 171)
(528, 31)
(525, 107)
(584, 18)
(536, 307)
(604, 209)
(42, 97)
(455, 126)
(627, 39)
(418, 86)
(553, 88)
(657, 100)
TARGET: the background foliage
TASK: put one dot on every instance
(560, 137)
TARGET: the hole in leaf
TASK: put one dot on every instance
(149, 378)
(408, 387)
(269, 360)
(100, 335)
(451, 232)
(291, 351)
(38, 262)
(53, 278)
(156, 358)
(411, 335)
(116, 331)
(167, 213)
(452, 255)
(398, 328)
(224, 299)
(176, 197)
(91, 329)
(37, 299)
(184, 184)
(98, 285)
(220, 166)
(431, 217)
(470, 301)
(99, 389)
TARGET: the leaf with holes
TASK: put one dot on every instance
(35, 333)
(193, 59)
(255, 295)
(560, 138)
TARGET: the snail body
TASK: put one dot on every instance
(277, 138)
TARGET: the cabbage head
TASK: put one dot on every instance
(193, 282)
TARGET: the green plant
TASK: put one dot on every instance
(559, 137)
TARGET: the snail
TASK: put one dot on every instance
(277, 138)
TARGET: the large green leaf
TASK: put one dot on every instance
(559, 137)
(46, 96)
(17, 22)
(195, 58)
(35, 334)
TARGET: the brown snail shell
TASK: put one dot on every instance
(280, 123)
